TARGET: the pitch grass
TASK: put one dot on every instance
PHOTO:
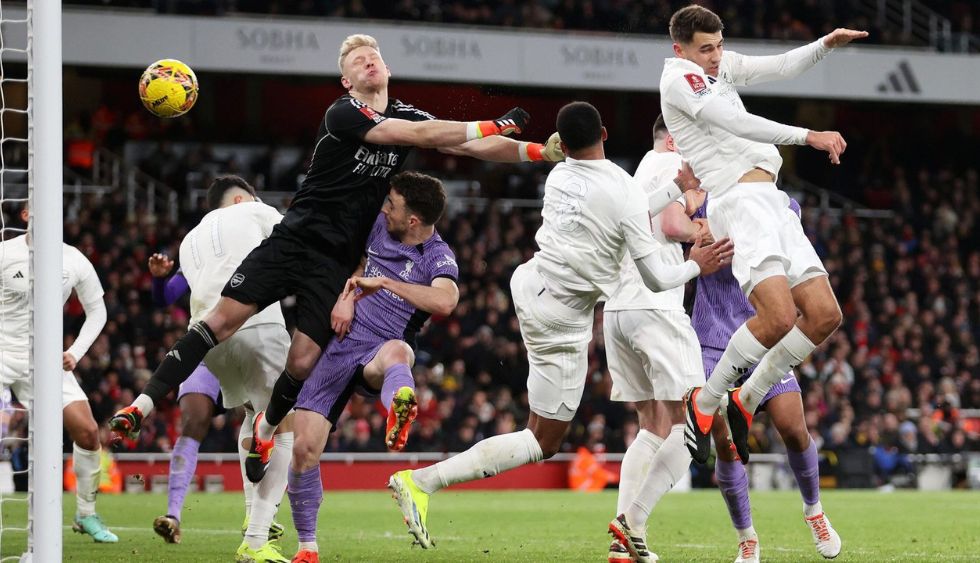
(541, 526)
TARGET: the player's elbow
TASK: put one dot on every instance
(446, 306)
(674, 228)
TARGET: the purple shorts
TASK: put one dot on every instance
(329, 386)
(787, 384)
(201, 381)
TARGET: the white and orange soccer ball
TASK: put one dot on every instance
(168, 88)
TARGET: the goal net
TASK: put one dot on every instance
(31, 176)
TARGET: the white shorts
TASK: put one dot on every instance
(15, 375)
(652, 354)
(248, 364)
(768, 236)
(557, 340)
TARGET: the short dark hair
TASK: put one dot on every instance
(221, 184)
(424, 195)
(660, 128)
(579, 125)
(691, 19)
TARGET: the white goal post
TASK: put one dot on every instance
(45, 228)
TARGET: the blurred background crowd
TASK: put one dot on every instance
(763, 19)
(895, 226)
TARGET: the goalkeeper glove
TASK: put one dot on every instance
(514, 121)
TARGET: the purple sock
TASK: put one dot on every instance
(183, 463)
(734, 484)
(396, 377)
(305, 495)
(806, 468)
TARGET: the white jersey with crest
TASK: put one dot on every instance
(15, 313)
(594, 212)
(718, 157)
(655, 170)
(214, 249)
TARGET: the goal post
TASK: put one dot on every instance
(45, 229)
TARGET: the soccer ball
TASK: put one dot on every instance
(168, 88)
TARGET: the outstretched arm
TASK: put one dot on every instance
(503, 149)
(437, 133)
(747, 69)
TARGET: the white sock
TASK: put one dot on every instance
(269, 491)
(784, 356)
(636, 464)
(746, 533)
(244, 433)
(669, 465)
(811, 510)
(743, 351)
(485, 459)
(88, 468)
(144, 403)
(308, 546)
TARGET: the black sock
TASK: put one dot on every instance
(181, 361)
(284, 395)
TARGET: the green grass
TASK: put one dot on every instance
(542, 526)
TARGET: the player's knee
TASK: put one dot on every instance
(549, 447)
(780, 321)
(398, 352)
(829, 318)
(195, 425)
(87, 436)
(305, 455)
(797, 439)
(300, 365)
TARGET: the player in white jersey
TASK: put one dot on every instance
(594, 213)
(77, 274)
(248, 363)
(654, 358)
(731, 151)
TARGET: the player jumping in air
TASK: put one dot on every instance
(731, 151)
(720, 308)
(364, 139)
(594, 213)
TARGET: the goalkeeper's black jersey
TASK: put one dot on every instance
(348, 179)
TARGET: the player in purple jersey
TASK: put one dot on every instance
(363, 139)
(409, 274)
(720, 307)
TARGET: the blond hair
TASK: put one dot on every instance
(353, 42)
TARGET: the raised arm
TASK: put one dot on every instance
(166, 291)
(747, 69)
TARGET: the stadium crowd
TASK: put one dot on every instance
(909, 287)
(784, 20)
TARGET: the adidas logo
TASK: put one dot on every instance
(174, 354)
(740, 371)
(19, 275)
(900, 81)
